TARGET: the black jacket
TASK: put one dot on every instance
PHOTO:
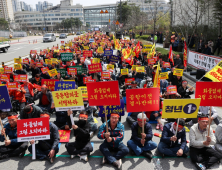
(34, 114)
(183, 92)
(82, 134)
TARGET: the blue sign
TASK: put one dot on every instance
(114, 58)
(91, 40)
(64, 85)
(5, 102)
(108, 53)
(119, 109)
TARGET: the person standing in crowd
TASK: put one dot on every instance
(211, 45)
(200, 46)
(177, 61)
(206, 49)
(217, 46)
(175, 44)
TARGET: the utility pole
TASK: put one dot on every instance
(121, 17)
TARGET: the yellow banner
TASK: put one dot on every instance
(110, 67)
(140, 69)
(52, 72)
(18, 60)
(100, 50)
(125, 71)
(54, 60)
(68, 99)
(95, 60)
(86, 47)
(17, 66)
(2, 71)
(180, 108)
(47, 61)
(178, 72)
(163, 75)
(216, 73)
(147, 48)
(134, 67)
(56, 51)
(84, 91)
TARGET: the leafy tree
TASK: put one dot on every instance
(126, 12)
(3, 23)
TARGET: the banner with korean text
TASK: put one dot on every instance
(64, 85)
(5, 102)
(94, 68)
(50, 83)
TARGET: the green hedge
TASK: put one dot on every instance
(144, 37)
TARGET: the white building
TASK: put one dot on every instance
(16, 5)
(6, 10)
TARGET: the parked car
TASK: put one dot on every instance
(78, 33)
(4, 48)
(62, 36)
(49, 37)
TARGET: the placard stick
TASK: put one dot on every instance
(177, 128)
(143, 123)
(3, 128)
(33, 152)
(209, 121)
(106, 119)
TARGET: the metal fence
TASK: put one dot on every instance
(14, 34)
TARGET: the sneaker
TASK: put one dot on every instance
(148, 154)
(158, 126)
(184, 155)
(118, 164)
(72, 156)
(161, 127)
(21, 155)
(132, 152)
(91, 134)
(104, 161)
(4, 156)
(84, 157)
(200, 166)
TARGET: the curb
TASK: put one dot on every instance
(187, 75)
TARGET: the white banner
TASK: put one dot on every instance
(202, 61)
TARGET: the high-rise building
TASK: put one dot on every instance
(16, 5)
(6, 10)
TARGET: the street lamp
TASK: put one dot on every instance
(44, 14)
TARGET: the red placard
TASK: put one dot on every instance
(209, 92)
(94, 68)
(45, 70)
(103, 93)
(33, 129)
(64, 135)
(151, 61)
(128, 81)
(37, 87)
(82, 59)
(50, 83)
(25, 61)
(8, 70)
(155, 58)
(33, 51)
(86, 79)
(32, 62)
(139, 100)
(12, 86)
(105, 75)
(78, 52)
(166, 64)
(22, 77)
(72, 71)
(42, 52)
(39, 64)
(87, 53)
(171, 89)
(5, 77)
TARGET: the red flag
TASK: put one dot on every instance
(137, 49)
(171, 55)
(185, 54)
(130, 60)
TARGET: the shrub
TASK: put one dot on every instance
(144, 37)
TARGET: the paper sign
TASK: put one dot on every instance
(22, 77)
(166, 64)
(48, 61)
(17, 66)
(44, 70)
(39, 64)
(134, 67)
(94, 68)
(62, 72)
(8, 70)
(2, 70)
(62, 85)
(110, 66)
(180, 108)
(50, 83)
(37, 87)
(33, 51)
(72, 71)
(12, 85)
(82, 59)
(84, 91)
(172, 89)
(95, 60)
(105, 75)
(151, 61)
(87, 53)
(18, 60)
(128, 81)
(114, 58)
(66, 56)
(140, 69)
(125, 71)
(108, 53)
(64, 135)
(178, 72)
(52, 72)
(25, 61)
(163, 75)
(5, 102)
(54, 60)
(85, 79)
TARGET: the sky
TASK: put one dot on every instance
(82, 2)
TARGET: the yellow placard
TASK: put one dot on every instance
(69, 80)
(17, 66)
(56, 51)
(147, 48)
(86, 47)
(48, 61)
(100, 50)
(2, 71)
(134, 67)
(18, 60)
(68, 99)
(180, 108)
(215, 74)
(95, 60)
(125, 71)
(110, 67)
(62, 47)
(163, 75)
(84, 91)
(52, 72)
(140, 69)
(54, 60)
(178, 72)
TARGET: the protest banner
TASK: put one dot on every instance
(43, 52)
(33, 51)
(110, 67)
(103, 93)
(62, 72)
(108, 53)
(44, 70)
(22, 78)
(25, 61)
(63, 85)
(86, 47)
(5, 102)
(166, 64)
(147, 48)
(48, 61)
(139, 100)
(87, 53)
(151, 61)
(209, 92)
(68, 99)
(202, 61)
(178, 72)
(39, 64)
(50, 83)
(128, 81)
(140, 69)
(17, 66)
(33, 129)
(32, 62)
(216, 73)
(54, 60)
(95, 60)
(84, 91)
(112, 108)
(163, 75)
(64, 135)
(78, 52)
(94, 68)
(171, 89)
(114, 58)
(8, 70)
(72, 71)
(66, 56)
(100, 50)
(37, 87)
(12, 85)
(82, 59)
(105, 75)
(85, 79)
(18, 60)
(2, 70)
(134, 67)
(180, 108)
(52, 72)
(125, 71)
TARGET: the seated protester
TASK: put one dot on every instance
(218, 135)
(146, 83)
(36, 80)
(171, 76)
(201, 151)
(149, 70)
(178, 62)
(141, 143)
(4, 116)
(184, 91)
(169, 144)
(45, 75)
(12, 147)
(177, 81)
(29, 89)
(22, 71)
(113, 141)
(163, 85)
(19, 95)
(82, 146)
(138, 76)
(45, 98)
(34, 69)
(165, 69)
(62, 120)
(58, 77)
(30, 111)
(47, 149)
(121, 79)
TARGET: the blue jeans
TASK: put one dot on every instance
(44, 108)
(166, 150)
(139, 149)
(120, 152)
(138, 80)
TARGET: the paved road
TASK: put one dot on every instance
(63, 160)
